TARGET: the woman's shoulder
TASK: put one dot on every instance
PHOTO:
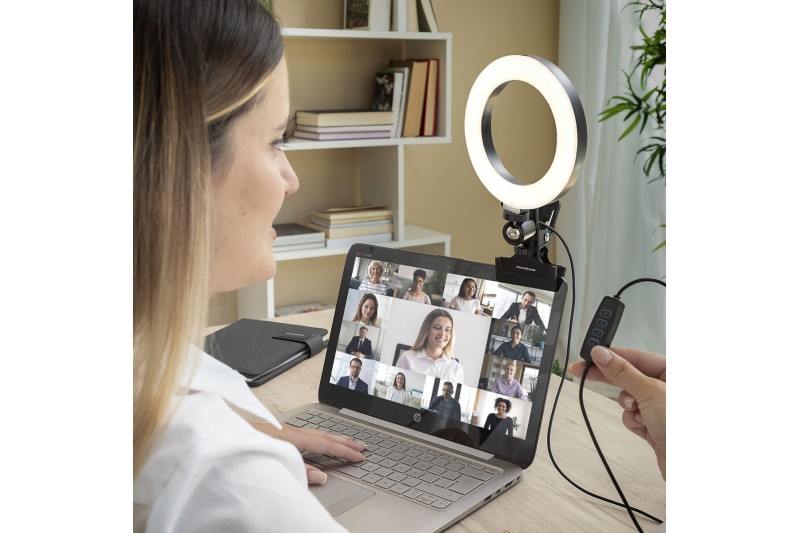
(209, 441)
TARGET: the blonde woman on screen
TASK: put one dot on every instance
(432, 352)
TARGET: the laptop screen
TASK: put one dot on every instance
(441, 346)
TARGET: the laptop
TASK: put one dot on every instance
(449, 397)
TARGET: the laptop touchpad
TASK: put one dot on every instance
(338, 495)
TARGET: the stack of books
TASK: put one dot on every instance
(345, 226)
(344, 124)
(296, 237)
(418, 101)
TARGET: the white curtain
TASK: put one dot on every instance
(611, 218)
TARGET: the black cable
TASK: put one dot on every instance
(561, 384)
(600, 453)
(634, 282)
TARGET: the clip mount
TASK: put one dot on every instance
(530, 265)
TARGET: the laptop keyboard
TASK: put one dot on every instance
(420, 473)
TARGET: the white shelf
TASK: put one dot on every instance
(414, 236)
(302, 144)
(316, 33)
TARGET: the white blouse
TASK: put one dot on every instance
(469, 306)
(212, 471)
(399, 396)
(446, 368)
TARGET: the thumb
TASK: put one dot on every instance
(619, 372)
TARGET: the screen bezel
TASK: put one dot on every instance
(513, 449)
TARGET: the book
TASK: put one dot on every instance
(352, 214)
(342, 135)
(404, 15)
(342, 117)
(401, 115)
(336, 232)
(388, 94)
(301, 246)
(346, 242)
(295, 234)
(349, 129)
(372, 15)
(416, 94)
(427, 18)
(399, 20)
(431, 95)
(411, 16)
(350, 224)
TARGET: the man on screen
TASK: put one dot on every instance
(524, 311)
(446, 405)
(352, 381)
(360, 346)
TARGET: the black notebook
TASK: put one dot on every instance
(261, 350)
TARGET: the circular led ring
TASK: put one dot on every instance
(569, 118)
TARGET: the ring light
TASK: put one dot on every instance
(569, 118)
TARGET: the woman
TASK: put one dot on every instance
(466, 301)
(373, 284)
(210, 110)
(415, 294)
(367, 310)
(432, 353)
(500, 422)
(397, 392)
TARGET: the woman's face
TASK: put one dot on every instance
(501, 409)
(375, 272)
(400, 381)
(469, 289)
(367, 309)
(249, 189)
(418, 283)
(440, 333)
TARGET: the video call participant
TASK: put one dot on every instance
(353, 382)
(500, 422)
(415, 293)
(507, 385)
(367, 310)
(373, 283)
(524, 311)
(445, 404)
(466, 301)
(514, 349)
(432, 352)
(397, 391)
(210, 108)
(360, 346)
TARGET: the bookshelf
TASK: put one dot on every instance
(334, 69)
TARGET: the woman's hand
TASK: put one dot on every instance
(642, 376)
(316, 441)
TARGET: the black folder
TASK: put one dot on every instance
(261, 350)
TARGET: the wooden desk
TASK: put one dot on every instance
(543, 500)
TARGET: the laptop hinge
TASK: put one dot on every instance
(483, 456)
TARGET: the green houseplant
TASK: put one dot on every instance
(645, 98)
